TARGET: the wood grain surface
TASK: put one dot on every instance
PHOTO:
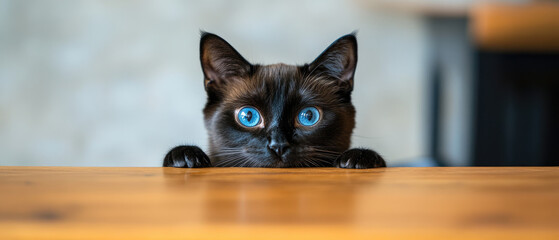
(256, 203)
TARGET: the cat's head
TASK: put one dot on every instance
(278, 115)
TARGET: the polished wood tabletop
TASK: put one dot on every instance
(258, 203)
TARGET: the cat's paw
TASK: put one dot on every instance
(359, 158)
(186, 157)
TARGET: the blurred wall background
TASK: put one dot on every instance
(118, 83)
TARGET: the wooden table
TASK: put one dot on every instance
(255, 203)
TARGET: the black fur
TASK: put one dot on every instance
(186, 157)
(278, 92)
(359, 158)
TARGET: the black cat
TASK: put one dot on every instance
(277, 115)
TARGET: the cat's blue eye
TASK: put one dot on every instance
(308, 116)
(248, 117)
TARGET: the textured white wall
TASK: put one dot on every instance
(117, 83)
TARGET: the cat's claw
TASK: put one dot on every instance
(359, 158)
(186, 157)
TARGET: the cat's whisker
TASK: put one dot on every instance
(226, 154)
(309, 162)
(245, 162)
(320, 157)
(315, 161)
(229, 160)
(240, 162)
(325, 153)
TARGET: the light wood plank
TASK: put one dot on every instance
(256, 203)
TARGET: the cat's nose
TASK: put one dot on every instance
(280, 148)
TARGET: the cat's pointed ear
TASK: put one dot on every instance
(221, 63)
(338, 61)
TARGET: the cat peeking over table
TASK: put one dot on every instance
(277, 115)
